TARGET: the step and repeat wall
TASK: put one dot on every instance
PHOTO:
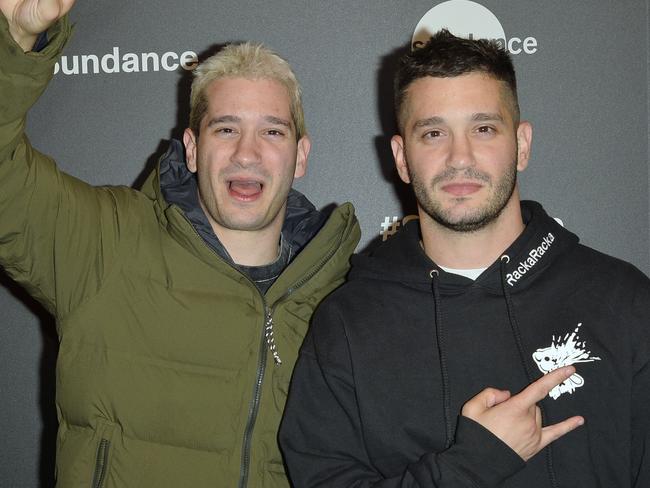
(121, 92)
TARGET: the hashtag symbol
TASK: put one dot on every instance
(389, 227)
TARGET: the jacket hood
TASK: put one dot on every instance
(173, 184)
(403, 260)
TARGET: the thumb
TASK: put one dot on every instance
(494, 397)
(483, 401)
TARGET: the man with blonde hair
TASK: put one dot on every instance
(180, 308)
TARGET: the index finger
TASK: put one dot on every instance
(538, 390)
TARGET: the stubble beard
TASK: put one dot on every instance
(472, 220)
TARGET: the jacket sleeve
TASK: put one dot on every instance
(322, 435)
(56, 233)
(640, 428)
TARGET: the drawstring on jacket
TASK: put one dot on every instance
(516, 332)
(440, 340)
(270, 338)
(514, 326)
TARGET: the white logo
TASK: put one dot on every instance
(470, 20)
(116, 62)
(527, 264)
(564, 352)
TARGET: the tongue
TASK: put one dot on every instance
(246, 188)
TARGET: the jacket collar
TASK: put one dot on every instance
(174, 189)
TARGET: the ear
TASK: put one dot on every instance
(524, 142)
(397, 145)
(189, 140)
(302, 154)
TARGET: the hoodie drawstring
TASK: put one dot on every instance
(516, 333)
(440, 341)
(514, 326)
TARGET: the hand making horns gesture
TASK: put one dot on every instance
(517, 420)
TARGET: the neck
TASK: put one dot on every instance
(250, 247)
(469, 250)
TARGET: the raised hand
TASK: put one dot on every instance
(517, 420)
(28, 18)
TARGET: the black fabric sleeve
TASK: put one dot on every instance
(640, 428)
(323, 440)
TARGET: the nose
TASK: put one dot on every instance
(460, 154)
(246, 150)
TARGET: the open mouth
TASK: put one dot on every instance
(245, 190)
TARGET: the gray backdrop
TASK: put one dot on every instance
(585, 90)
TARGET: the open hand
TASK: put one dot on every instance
(517, 420)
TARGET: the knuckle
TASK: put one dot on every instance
(469, 409)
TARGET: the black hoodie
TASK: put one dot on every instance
(393, 355)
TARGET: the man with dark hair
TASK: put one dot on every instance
(180, 308)
(447, 56)
(485, 290)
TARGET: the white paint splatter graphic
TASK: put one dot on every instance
(564, 352)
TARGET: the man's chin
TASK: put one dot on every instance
(244, 225)
(467, 222)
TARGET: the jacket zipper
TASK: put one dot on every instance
(100, 463)
(257, 391)
(261, 364)
(254, 405)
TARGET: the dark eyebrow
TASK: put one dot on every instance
(487, 117)
(435, 120)
(223, 119)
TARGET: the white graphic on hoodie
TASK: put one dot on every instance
(564, 352)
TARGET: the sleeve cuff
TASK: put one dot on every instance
(480, 455)
(34, 62)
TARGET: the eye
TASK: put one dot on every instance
(485, 129)
(275, 132)
(224, 130)
(432, 134)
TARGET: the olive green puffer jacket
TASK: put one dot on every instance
(164, 375)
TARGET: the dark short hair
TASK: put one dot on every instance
(446, 55)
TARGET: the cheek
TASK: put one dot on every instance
(283, 162)
(427, 160)
(508, 151)
(210, 161)
(209, 180)
(428, 154)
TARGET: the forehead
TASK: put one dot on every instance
(239, 96)
(465, 94)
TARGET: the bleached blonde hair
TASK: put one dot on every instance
(246, 60)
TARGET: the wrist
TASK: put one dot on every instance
(24, 39)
